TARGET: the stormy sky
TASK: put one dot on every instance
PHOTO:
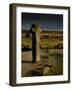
(47, 22)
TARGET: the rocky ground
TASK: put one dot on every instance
(51, 64)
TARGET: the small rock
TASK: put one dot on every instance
(46, 70)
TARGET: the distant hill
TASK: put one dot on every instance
(23, 31)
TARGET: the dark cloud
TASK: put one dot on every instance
(49, 22)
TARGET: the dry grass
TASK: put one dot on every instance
(50, 55)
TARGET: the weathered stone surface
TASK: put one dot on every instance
(35, 42)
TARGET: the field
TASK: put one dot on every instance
(51, 54)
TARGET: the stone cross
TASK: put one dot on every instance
(35, 42)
